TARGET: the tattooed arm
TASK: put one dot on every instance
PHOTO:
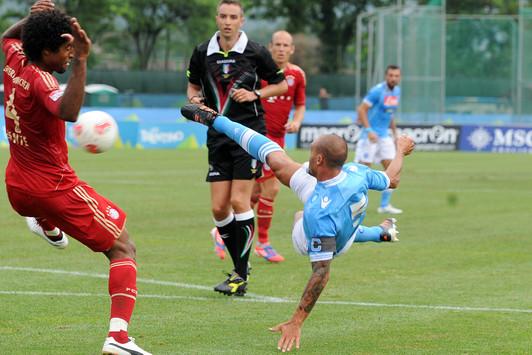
(291, 330)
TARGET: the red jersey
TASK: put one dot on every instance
(277, 108)
(39, 154)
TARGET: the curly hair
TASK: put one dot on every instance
(43, 30)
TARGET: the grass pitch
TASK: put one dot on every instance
(460, 280)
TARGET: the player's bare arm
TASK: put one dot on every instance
(194, 94)
(72, 99)
(294, 125)
(362, 111)
(15, 31)
(405, 146)
(291, 330)
(243, 95)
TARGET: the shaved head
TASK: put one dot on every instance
(333, 148)
(282, 35)
(282, 48)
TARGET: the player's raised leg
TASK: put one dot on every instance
(50, 233)
(255, 144)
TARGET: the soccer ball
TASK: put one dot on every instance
(95, 131)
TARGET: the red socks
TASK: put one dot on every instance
(123, 292)
(264, 218)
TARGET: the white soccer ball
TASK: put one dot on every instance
(95, 131)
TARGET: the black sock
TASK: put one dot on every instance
(245, 228)
(230, 238)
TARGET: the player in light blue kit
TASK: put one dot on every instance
(376, 115)
(335, 197)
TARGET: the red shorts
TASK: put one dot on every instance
(80, 212)
(267, 173)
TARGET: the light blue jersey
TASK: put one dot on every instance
(383, 104)
(337, 207)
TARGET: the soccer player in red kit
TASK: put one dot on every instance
(39, 180)
(277, 111)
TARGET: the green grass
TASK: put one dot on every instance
(465, 242)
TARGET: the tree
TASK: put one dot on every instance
(146, 20)
(95, 16)
(333, 22)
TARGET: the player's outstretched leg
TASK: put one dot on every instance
(53, 235)
(384, 232)
(254, 143)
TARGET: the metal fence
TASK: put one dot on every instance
(475, 64)
(524, 69)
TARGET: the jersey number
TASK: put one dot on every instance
(11, 112)
(357, 209)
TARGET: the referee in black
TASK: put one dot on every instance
(225, 73)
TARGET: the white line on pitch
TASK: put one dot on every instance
(258, 300)
(139, 280)
(254, 298)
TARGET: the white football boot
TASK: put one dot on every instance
(389, 230)
(36, 228)
(389, 209)
(112, 347)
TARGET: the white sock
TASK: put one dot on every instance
(117, 324)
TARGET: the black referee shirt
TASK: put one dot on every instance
(218, 72)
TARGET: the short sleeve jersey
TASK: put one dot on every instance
(277, 108)
(39, 153)
(219, 72)
(337, 207)
(383, 104)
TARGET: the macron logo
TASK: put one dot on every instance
(325, 202)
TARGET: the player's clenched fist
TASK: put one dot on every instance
(405, 144)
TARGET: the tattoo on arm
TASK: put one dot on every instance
(316, 284)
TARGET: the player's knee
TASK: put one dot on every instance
(274, 190)
(126, 249)
(240, 204)
(277, 160)
(220, 212)
(123, 248)
(131, 248)
(271, 191)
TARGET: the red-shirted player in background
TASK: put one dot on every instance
(277, 111)
(39, 180)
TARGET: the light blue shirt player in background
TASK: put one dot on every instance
(376, 115)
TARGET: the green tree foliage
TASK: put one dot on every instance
(332, 21)
(94, 15)
(501, 7)
(146, 20)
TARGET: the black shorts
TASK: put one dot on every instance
(228, 161)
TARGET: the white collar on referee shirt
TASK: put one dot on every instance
(240, 45)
